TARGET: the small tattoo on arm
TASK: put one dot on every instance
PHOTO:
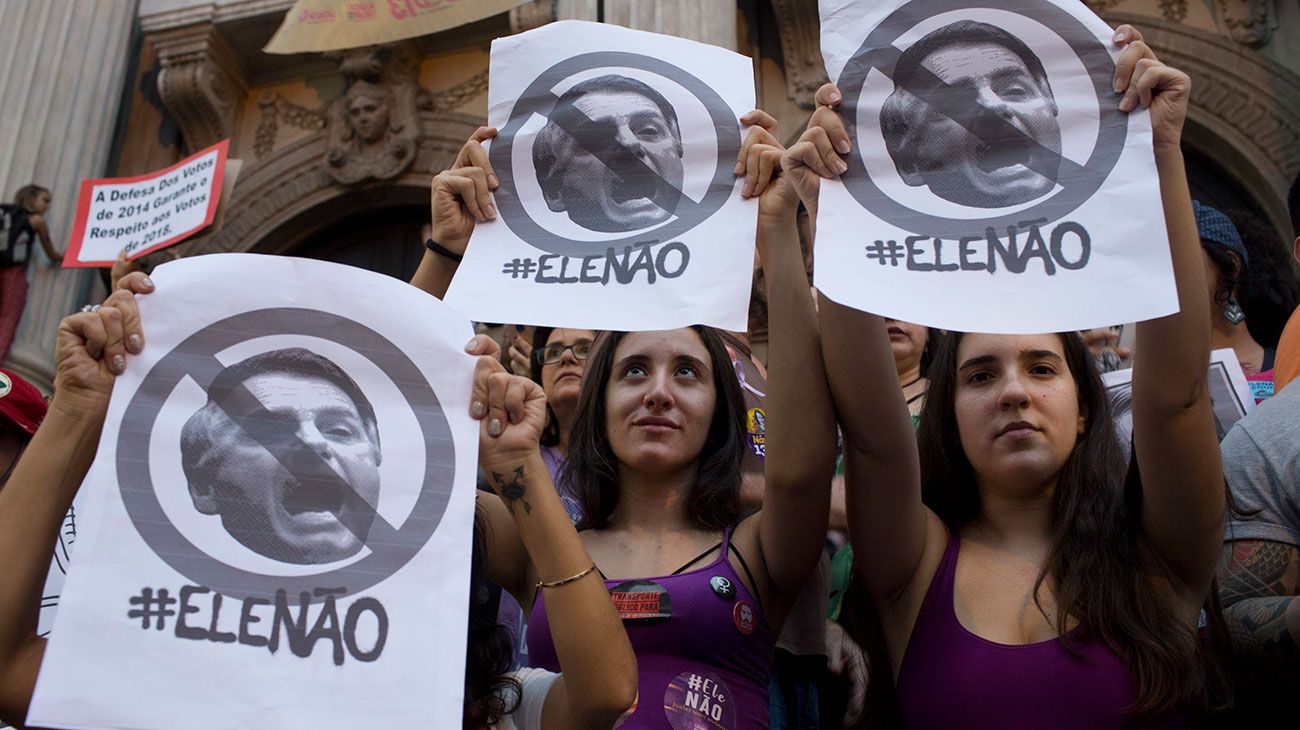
(512, 491)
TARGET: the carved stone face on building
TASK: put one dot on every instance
(368, 113)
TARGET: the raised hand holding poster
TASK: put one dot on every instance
(277, 523)
(993, 183)
(618, 203)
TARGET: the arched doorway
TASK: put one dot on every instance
(378, 228)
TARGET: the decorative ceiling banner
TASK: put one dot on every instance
(993, 186)
(277, 524)
(618, 203)
(331, 25)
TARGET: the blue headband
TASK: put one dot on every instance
(1215, 227)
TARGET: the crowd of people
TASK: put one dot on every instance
(661, 515)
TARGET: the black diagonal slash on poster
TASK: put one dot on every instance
(538, 99)
(600, 139)
(1077, 182)
(194, 360)
(961, 106)
(304, 463)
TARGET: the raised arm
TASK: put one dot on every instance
(42, 229)
(598, 681)
(800, 458)
(887, 521)
(460, 197)
(1175, 443)
(91, 349)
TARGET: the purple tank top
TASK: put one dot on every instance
(952, 678)
(703, 648)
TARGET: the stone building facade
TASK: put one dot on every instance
(338, 148)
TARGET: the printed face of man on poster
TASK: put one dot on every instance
(996, 81)
(610, 155)
(293, 474)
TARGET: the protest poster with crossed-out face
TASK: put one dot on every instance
(277, 521)
(993, 184)
(618, 204)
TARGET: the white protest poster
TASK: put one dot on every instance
(993, 185)
(1230, 395)
(145, 213)
(278, 519)
(618, 206)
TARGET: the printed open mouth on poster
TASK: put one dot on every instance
(618, 203)
(990, 167)
(277, 523)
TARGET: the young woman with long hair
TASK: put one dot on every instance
(654, 458)
(1022, 574)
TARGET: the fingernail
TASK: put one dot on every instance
(1118, 85)
(839, 167)
(1126, 104)
(494, 427)
(119, 364)
(133, 342)
(477, 410)
(843, 146)
(739, 168)
(470, 346)
(834, 97)
(491, 211)
(514, 417)
(147, 282)
(492, 180)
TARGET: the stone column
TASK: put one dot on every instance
(62, 70)
(708, 21)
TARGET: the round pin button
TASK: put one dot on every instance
(722, 586)
(744, 617)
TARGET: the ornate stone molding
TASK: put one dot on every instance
(1244, 112)
(1247, 21)
(201, 84)
(180, 14)
(373, 127)
(454, 96)
(799, 27)
(276, 110)
(290, 196)
(532, 15)
(1174, 10)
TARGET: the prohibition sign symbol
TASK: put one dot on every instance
(1078, 182)
(391, 547)
(538, 99)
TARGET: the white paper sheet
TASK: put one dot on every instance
(222, 490)
(618, 205)
(1230, 394)
(993, 184)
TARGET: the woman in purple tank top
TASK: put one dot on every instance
(1036, 585)
(655, 460)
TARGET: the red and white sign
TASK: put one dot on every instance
(145, 213)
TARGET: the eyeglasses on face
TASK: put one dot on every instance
(551, 354)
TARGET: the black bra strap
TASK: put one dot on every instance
(696, 559)
(745, 567)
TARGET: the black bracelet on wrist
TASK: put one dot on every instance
(442, 250)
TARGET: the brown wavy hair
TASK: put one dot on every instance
(1101, 566)
(592, 468)
(491, 692)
